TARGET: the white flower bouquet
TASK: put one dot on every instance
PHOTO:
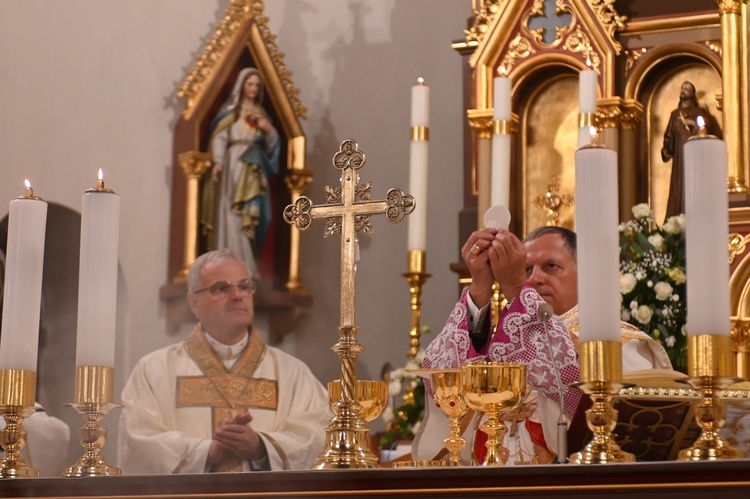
(652, 280)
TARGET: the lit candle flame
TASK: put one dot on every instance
(588, 62)
(100, 182)
(503, 71)
(29, 190)
(700, 122)
(420, 81)
(594, 135)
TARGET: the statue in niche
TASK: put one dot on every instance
(682, 125)
(244, 147)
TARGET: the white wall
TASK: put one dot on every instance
(88, 84)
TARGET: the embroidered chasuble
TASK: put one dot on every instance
(227, 391)
(178, 395)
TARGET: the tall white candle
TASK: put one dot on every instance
(598, 244)
(420, 120)
(501, 144)
(587, 84)
(97, 286)
(706, 230)
(24, 263)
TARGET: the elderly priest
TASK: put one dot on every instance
(222, 400)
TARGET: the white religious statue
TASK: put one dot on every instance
(222, 400)
(244, 147)
(542, 269)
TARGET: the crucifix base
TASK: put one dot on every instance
(347, 442)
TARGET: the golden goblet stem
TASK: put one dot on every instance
(601, 374)
(710, 369)
(416, 277)
(94, 387)
(494, 428)
(17, 393)
(455, 442)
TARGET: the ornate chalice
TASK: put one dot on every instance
(372, 397)
(449, 397)
(493, 387)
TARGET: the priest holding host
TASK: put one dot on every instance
(541, 270)
(222, 400)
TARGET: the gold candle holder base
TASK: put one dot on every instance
(710, 415)
(94, 386)
(601, 419)
(601, 370)
(347, 441)
(710, 369)
(17, 393)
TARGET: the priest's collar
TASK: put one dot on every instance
(227, 352)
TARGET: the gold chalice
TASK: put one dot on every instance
(449, 397)
(493, 387)
(372, 397)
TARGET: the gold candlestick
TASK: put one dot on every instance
(710, 369)
(17, 393)
(416, 277)
(601, 375)
(93, 400)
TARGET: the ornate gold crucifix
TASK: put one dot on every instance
(348, 210)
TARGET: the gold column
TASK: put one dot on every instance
(193, 164)
(608, 120)
(480, 121)
(741, 347)
(632, 115)
(730, 12)
(296, 181)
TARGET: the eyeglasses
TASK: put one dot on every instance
(220, 289)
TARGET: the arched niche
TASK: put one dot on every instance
(242, 40)
(655, 82)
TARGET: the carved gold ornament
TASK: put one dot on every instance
(220, 45)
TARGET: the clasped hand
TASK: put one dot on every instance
(494, 255)
(237, 437)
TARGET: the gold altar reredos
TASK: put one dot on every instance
(642, 53)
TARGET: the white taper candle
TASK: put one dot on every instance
(706, 232)
(598, 244)
(97, 287)
(24, 264)
(418, 160)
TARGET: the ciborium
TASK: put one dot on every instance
(492, 388)
(372, 397)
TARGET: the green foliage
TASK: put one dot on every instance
(406, 389)
(652, 280)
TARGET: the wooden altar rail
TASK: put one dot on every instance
(724, 479)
